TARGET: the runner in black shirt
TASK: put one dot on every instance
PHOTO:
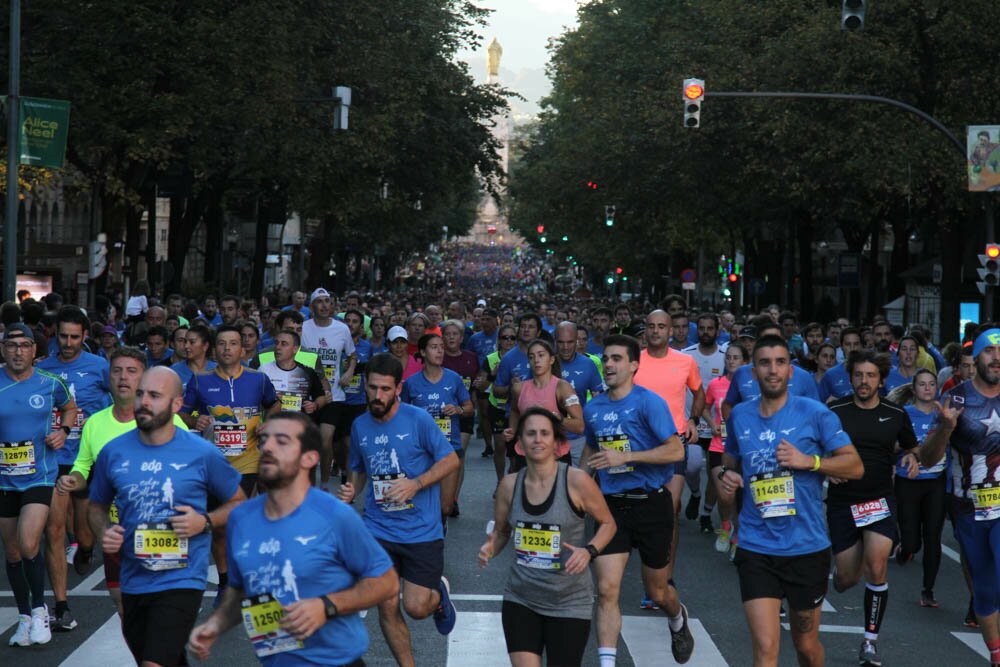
(861, 514)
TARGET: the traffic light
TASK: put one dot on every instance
(543, 239)
(98, 256)
(989, 271)
(733, 277)
(694, 93)
(609, 216)
(591, 185)
(541, 229)
(618, 270)
(852, 16)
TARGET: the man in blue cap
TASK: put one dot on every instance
(970, 425)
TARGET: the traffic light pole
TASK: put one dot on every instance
(877, 99)
(13, 118)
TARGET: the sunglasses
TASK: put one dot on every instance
(508, 337)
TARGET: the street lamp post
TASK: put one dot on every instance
(13, 118)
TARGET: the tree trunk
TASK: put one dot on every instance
(214, 220)
(805, 238)
(319, 254)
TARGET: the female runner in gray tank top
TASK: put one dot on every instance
(548, 600)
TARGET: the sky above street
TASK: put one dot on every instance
(523, 28)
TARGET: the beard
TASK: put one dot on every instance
(984, 373)
(774, 393)
(379, 409)
(147, 420)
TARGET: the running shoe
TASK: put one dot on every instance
(487, 452)
(648, 604)
(445, 615)
(22, 636)
(71, 552)
(82, 560)
(722, 540)
(706, 524)
(64, 622)
(927, 599)
(970, 617)
(901, 557)
(40, 632)
(691, 510)
(868, 655)
(682, 641)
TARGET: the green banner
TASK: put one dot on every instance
(44, 128)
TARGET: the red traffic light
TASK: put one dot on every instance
(733, 277)
(618, 270)
(992, 250)
(541, 229)
(693, 91)
(591, 185)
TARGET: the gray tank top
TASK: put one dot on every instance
(537, 579)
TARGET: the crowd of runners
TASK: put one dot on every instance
(312, 447)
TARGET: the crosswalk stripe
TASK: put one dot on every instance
(973, 640)
(477, 640)
(104, 647)
(649, 643)
(828, 608)
(842, 629)
(8, 617)
(88, 584)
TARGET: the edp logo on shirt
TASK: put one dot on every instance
(151, 466)
(382, 439)
(768, 436)
(271, 547)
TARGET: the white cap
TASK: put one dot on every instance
(396, 333)
(317, 293)
(481, 302)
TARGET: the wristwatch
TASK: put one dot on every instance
(592, 550)
(208, 525)
(329, 608)
(65, 429)
(722, 472)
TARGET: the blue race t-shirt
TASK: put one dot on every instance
(483, 345)
(320, 547)
(354, 393)
(147, 483)
(88, 383)
(513, 364)
(582, 373)
(405, 446)
(185, 373)
(638, 422)
(893, 380)
(25, 421)
(835, 383)
(432, 397)
(753, 440)
(923, 424)
(744, 386)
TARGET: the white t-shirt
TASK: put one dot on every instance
(137, 305)
(334, 345)
(710, 366)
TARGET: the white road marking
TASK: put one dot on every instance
(476, 598)
(951, 553)
(843, 629)
(973, 640)
(649, 642)
(477, 640)
(104, 647)
(92, 580)
(8, 617)
(828, 608)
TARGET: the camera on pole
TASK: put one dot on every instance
(852, 16)
(694, 93)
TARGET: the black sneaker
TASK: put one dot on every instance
(488, 452)
(691, 510)
(63, 622)
(82, 560)
(682, 641)
(927, 599)
(454, 510)
(706, 524)
(868, 655)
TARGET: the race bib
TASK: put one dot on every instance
(158, 547)
(618, 443)
(722, 429)
(467, 382)
(444, 423)
(328, 372)
(537, 545)
(17, 458)
(355, 385)
(986, 500)
(231, 439)
(261, 619)
(773, 493)
(380, 486)
(291, 402)
(869, 512)
(113, 513)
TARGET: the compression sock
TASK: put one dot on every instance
(223, 580)
(876, 599)
(19, 585)
(607, 656)
(676, 622)
(994, 648)
(727, 526)
(34, 572)
(61, 606)
(706, 509)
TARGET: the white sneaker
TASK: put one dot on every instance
(22, 637)
(71, 552)
(40, 632)
(722, 541)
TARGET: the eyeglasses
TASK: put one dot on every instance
(12, 345)
(508, 337)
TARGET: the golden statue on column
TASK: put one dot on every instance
(494, 52)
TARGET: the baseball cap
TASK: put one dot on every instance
(19, 330)
(748, 332)
(481, 302)
(317, 293)
(108, 329)
(395, 333)
(984, 340)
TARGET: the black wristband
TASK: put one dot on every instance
(722, 472)
(592, 550)
(208, 524)
(66, 429)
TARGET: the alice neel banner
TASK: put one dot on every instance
(983, 146)
(44, 126)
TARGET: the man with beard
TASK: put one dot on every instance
(861, 514)
(778, 449)
(406, 455)
(882, 332)
(836, 382)
(127, 367)
(160, 479)
(305, 565)
(970, 425)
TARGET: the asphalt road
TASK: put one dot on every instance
(706, 580)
